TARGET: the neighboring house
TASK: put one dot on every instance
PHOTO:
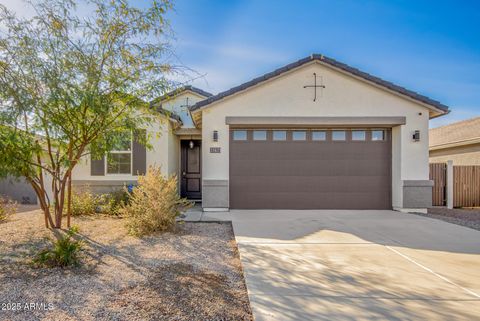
(18, 189)
(459, 142)
(315, 134)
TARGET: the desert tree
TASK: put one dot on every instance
(73, 78)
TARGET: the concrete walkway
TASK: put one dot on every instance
(357, 265)
(195, 214)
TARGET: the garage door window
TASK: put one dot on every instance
(378, 135)
(259, 135)
(239, 135)
(358, 135)
(299, 135)
(319, 135)
(339, 135)
(279, 135)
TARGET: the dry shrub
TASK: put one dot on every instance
(154, 204)
(7, 208)
(84, 203)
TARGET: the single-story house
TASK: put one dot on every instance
(458, 142)
(314, 134)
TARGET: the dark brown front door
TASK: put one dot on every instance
(310, 169)
(191, 184)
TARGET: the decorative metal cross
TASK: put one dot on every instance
(186, 104)
(315, 86)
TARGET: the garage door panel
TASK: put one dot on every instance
(326, 200)
(312, 150)
(310, 174)
(295, 184)
(308, 167)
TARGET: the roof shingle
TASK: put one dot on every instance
(457, 132)
(180, 90)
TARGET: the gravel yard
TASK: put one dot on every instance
(193, 273)
(465, 217)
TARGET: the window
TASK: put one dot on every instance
(299, 135)
(119, 160)
(279, 135)
(378, 135)
(358, 135)
(259, 135)
(239, 135)
(316, 135)
(338, 135)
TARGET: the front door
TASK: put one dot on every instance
(191, 180)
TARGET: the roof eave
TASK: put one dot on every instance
(465, 142)
(181, 90)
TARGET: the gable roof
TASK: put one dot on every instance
(171, 115)
(459, 133)
(329, 61)
(180, 90)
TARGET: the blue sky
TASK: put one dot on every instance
(432, 47)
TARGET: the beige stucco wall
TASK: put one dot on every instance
(462, 155)
(343, 96)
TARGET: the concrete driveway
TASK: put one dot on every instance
(354, 265)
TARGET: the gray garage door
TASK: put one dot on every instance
(310, 169)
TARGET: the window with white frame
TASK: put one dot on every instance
(319, 135)
(358, 135)
(339, 135)
(239, 135)
(119, 159)
(378, 135)
(299, 135)
(259, 135)
(279, 135)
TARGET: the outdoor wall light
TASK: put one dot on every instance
(215, 135)
(416, 136)
(191, 144)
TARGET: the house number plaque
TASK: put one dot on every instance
(215, 150)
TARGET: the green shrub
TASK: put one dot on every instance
(7, 208)
(111, 203)
(84, 203)
(87, 203)
(154, 204)
(64, 252)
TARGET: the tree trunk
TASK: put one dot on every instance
(42, 198)
(69, 195)
(59, 186)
